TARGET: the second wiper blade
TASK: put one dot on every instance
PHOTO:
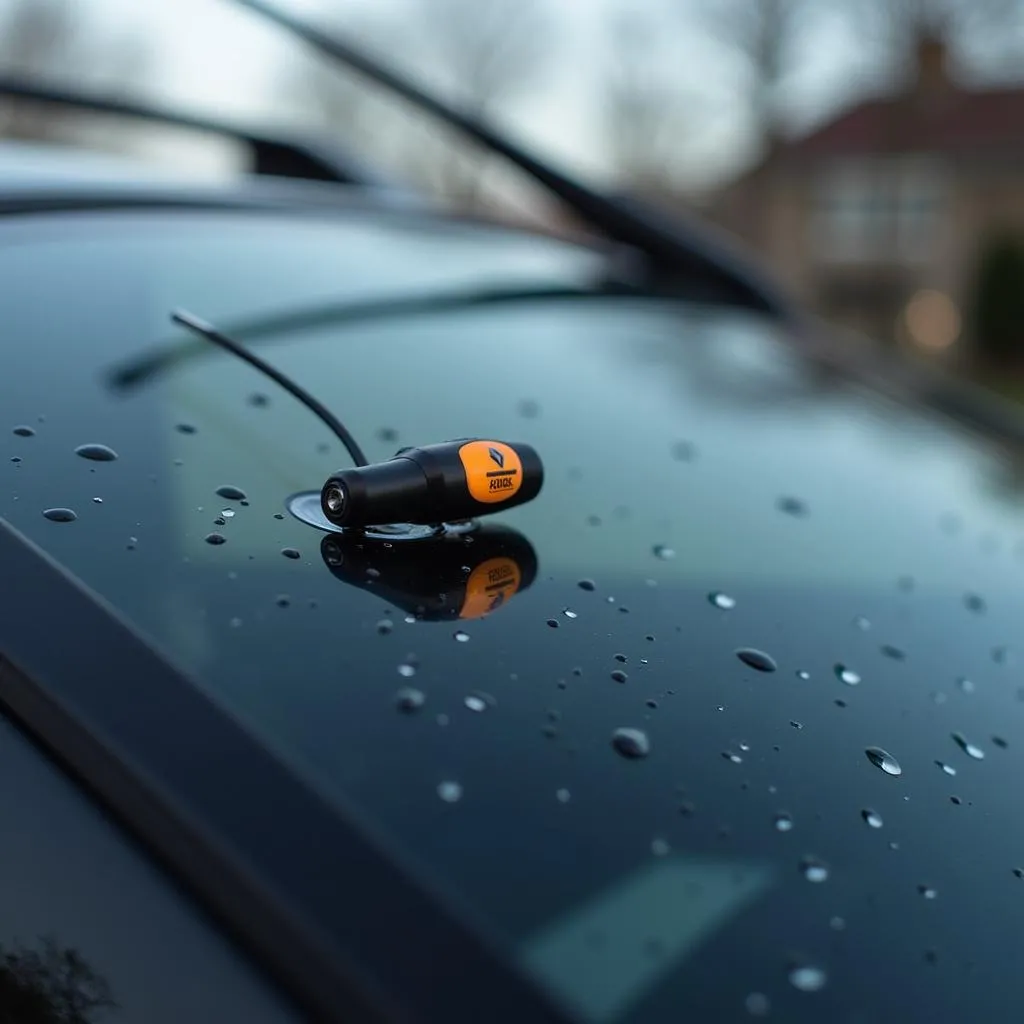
(680, 247)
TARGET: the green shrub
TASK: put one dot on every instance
(997, 306)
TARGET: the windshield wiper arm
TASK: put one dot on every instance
(681, 248)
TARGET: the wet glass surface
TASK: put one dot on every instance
(687, 454)
(91, 932)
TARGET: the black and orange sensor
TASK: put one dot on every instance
(435, 484)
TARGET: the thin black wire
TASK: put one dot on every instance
(211, 333)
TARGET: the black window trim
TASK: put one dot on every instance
(301, 883)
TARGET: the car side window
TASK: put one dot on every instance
(90, 930)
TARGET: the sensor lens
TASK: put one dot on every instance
(334, 499)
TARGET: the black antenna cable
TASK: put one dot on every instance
(208, 331)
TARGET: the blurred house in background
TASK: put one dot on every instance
(881, 217)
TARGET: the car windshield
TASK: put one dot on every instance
(719, 746)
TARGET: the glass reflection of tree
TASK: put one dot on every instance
(50, 985)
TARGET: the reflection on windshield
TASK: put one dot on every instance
(50, 985)
(603, 956)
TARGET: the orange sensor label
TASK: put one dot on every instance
(493, 470)
(489, 586)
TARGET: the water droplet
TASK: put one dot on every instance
(1018, 872)
(60, 515)
(1000, 742)
(757, 1004)
(927, 892)
(651, 703)
(965, 685)
(862, 622)
(796, 725)
(792, 506)
(410, 619)
(410, 699)
(283, 600)
(783, 822)
(807, 978)
(384, 626)
(955, 800)
(884, 760)
(813, 869)
(631, 743)
(233, 493)
(479, 701)
(407, 670)
(185, 428)
(683, 451)
(756, 659)
(620, 657)
(664, 552)
(587, 585)
(803, 674)
(569, 613)
(279, 515)
(220, 521)
(563, 796)
(98, 501)
(896, 653)
(258, 399)
(660, 847)
(461, 636)
(387, 434)
(1001, 655)
(970, 749)
(873, 818)
(215, 538)
(974, 603)
(16, 458)
(528, 408)
(720, 600)
(619, 676)
(227, 513)
(732, 757)
(947, 768)
(24, 431)
(846, 675)
(449, 792)
(96, 452)
(290, 553)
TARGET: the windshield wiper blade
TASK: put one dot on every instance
(140, 368)
(679, 247)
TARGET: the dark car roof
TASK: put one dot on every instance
(709, 492)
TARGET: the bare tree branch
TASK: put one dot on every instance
(645, 112)
(481, 54)
(50, 39)
(762, 34)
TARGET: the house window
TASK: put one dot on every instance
(878, 211)
(919, 210)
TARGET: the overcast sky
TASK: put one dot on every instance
(215, 57)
